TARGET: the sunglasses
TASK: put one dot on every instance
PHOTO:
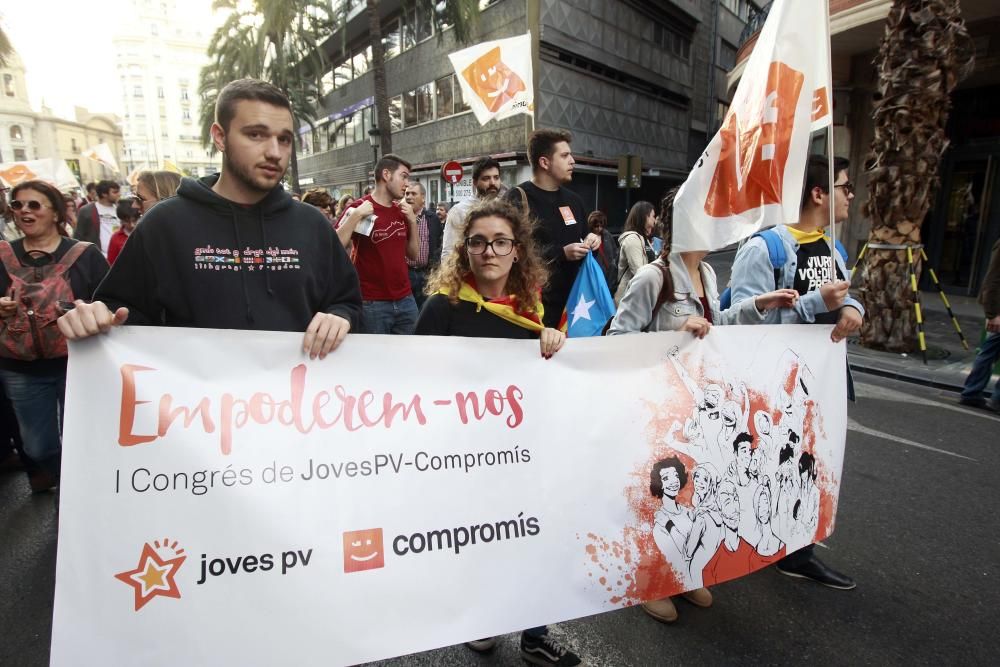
(31, 205)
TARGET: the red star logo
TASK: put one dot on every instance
(154, 575)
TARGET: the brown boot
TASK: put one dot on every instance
(699, 597)
(662, 610)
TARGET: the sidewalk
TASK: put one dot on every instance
(948, 363)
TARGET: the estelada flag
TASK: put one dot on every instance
(750, 176)
(589, 306)
(496, 77)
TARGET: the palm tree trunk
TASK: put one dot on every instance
(925, 52)
(378, 69)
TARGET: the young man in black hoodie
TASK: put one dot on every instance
(233, 251)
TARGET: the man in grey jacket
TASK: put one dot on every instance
(818, 274)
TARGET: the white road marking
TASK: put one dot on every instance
(853, 425)
(865, 390)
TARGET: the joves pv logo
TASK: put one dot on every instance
(363, 550)
(154, 575)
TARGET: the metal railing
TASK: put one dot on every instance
(755, 21)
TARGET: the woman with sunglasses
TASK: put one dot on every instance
(128, 210)
(32, 352)
(152, 186)
(491, 287)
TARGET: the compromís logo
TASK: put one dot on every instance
(363, 550)
(456, 539)
(155, 574)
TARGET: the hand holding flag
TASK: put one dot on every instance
(590, 305)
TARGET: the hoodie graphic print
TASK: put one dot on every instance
(199, 260)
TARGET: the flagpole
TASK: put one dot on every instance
(832, 177)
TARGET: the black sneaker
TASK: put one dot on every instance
(973, 401)
(816, 570)
(546, 650)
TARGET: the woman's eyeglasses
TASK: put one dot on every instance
(31, 205)
(477, 245)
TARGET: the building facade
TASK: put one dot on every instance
(26, 134)
(645, 78)
(159, 53)
(963, 225)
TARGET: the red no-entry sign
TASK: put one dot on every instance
(452, 172)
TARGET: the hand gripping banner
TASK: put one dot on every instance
(225, 500)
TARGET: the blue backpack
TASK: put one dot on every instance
(776, 253)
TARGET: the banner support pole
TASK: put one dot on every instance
(829, 146)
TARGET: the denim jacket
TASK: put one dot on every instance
(640, 296)
(752, 275)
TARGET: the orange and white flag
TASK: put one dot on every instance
(496, 77)
(102, 153)
(750, 176)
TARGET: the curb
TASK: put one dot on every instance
(903, 377)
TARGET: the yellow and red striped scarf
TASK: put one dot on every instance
(504, 307)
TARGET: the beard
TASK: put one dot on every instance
(244, 173)
(488, 193)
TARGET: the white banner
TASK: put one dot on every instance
(50, 170)
(496, 77)
(750, 176)
(225, 500)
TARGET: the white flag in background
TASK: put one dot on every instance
(496, 77)
(750, 176)
(102, 153)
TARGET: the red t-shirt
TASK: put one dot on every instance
(380, 258)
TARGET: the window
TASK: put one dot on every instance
(342, 74)
(16, 133)
(407, 23)
(672, 42)
(8, 85)
(360, 125)
(73, 145)
(154, 29)
(460, 104)
(20, 155)
(422, 25)
(338, 133)
(445, 96)
(727, 55)
(159, 92)
(184, 94)
(186, 115)
(410, 108)
(137, 91)
(396, 113)
(425, 103)
(351, 124)
(391, 40)
(361, 62)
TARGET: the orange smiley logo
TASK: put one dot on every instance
(363, 550)
(493, 82)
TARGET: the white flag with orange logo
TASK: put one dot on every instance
(496, 77)
(102, 153)
(750, 176)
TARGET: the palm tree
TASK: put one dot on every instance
(461, 15)
(925, 52)
(272, 40)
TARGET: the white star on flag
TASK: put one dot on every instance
(582, 310)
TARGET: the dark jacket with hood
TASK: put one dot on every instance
(199, 260)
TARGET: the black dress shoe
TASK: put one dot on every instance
(818, 571)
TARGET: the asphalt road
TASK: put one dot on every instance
(917, 527)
